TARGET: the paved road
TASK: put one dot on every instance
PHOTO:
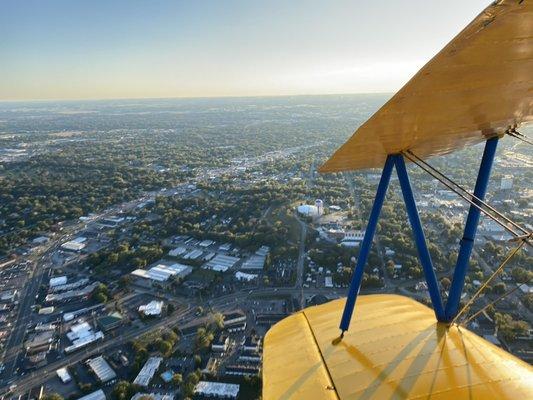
(36, 378)
(301, 261)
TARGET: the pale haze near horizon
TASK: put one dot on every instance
(148, 49)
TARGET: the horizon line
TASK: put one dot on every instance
(189, 97)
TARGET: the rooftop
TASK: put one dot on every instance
(97, 395)
(147, 372)
(217, 389)
(101, 369)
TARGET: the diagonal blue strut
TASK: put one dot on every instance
(442, 313)
(355, 284)
(420, 239)
(472, 220)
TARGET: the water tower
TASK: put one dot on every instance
(319, 204)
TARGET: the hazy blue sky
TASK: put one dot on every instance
(129, 48)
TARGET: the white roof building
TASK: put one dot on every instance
(40, 240)
(243, 276)
(193, 254)
(163, 272)
(525, 288)
(221, 263)
(57, 281)
(73, 245)
(225, 247)
(206, 243)
(81, 335)
(255, 262)
(101, 369)
(154, 308)
(217, 389)
(148, 371)
(308, 210)
(63, 374)
(153, 396)
(178, 251)
(79, 331)
(97, 395)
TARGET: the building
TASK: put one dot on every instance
(57, 281)
(225, 247)
(148, 371)
(75, 245)
(177, 252)
(111, 222)
(39, 342)
(221, 263)
(243, 276)
(82, 335)
(71, 294)
(101, 369)
(220, 344)
(506, 183)
(97, 395)
(193, 254)
(109, 322)
(234, 318)
(152, 396)
(152, 309)
(307, 210)
(319, 204)
(206, 243)
(217, 390)
(46, 310)
(242, 369)
(352, 238)
(161, 274)
(9, 296)
(63, 374)
(251, 344)
(35, 393)
(40, 240)
(69, 286)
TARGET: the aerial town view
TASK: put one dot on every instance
(149, 245)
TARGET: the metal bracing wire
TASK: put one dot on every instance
(494, 274)
(474, 197)
(478, 203)
(466, 321)
(517, 135)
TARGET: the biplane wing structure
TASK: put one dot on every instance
(477, 89)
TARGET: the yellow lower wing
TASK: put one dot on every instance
(394, 350)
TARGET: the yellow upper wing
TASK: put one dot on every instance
(479, 85)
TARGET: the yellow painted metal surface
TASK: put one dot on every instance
(475, 88)
(394, 350)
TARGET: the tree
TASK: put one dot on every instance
(164, 347)
(124, 390)
(499, 288)
(170, 309)
(446, 283)
(53, 396)
(522, 275)
(508, 328)
(218, 321)
(177, 379)
(197, 360)
(528, 300)
(203, 338)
